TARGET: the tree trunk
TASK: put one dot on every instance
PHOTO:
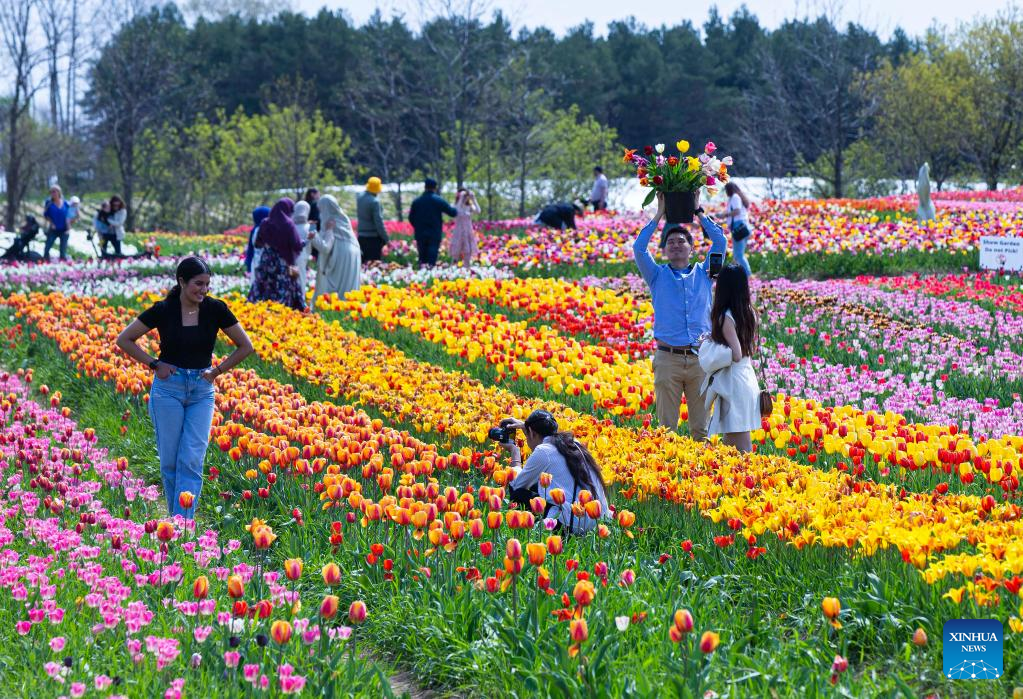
(13, 171)
(839, 167)
(397, 197)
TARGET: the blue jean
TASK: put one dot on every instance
(739, 254)
(181, 407)
(51, 235)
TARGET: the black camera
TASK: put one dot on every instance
(501, 435)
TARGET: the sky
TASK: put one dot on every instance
(915, 16)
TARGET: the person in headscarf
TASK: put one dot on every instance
(259, 214)
(339, 263)
(276, 277)
(304, 227)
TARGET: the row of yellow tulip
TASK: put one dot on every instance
(753, 495)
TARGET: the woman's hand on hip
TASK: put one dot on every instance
(211, 375)
(164, 370)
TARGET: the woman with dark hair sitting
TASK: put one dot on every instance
(571, 467)
(181, 397)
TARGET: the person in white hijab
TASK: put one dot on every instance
(301, 218)
(339, 264)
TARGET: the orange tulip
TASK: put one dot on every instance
(545, 480)
(557, 496)
(263, 537)
(578, 630)
(675, 634)
(280, 631)
(683, 620)
(357, 612)
(186, 499)
(201, 587)
(584, 496)
(331, 574)
(537, 505)
(164, 531)
(831, 607)
(513, 549)
(293, 568)
(235, 587)
(476, 528)
(536, 553)
(329, 606)
(494, 520)
(709, 642)
(584, 593)
(513, 566)
(593, 509)
(626, 518)
(920, 637)
(554, 545)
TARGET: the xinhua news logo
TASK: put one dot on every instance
(972, 649)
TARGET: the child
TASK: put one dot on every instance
(74, 210)
(101, 222)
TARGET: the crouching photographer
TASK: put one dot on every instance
(569, 463)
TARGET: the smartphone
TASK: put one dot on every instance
(715, 261)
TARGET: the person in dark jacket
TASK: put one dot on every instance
(251, 258)
(312, 196)
(560, 215)
(427, 222)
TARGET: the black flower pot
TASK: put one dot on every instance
(680, 207)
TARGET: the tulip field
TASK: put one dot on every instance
(354, 535)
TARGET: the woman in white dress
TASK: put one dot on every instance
(339, 264)
(733, 387)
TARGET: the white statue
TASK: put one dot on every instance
(924, 212)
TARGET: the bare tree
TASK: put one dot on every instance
(468, 59)
(384, 103)
(54, 18)
(16, 23)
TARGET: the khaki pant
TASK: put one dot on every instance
(675, 375)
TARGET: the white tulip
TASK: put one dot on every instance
(659, 148)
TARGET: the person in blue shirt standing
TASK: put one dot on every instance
(681, 294)
(57, 213)
(426, 220)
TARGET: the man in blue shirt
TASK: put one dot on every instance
(426, 220)
(681, 294)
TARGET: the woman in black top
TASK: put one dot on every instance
(181, 397)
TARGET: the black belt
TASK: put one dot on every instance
(678, 350)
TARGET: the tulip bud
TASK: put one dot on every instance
(201, 587)
(164, 531)
(831, 607)
(557, 496)
(513, 549)
(920, 637)
(293, 568)
(583, 593)
(536, 553)
(554, 545)
(709, 642)
(280, 631)
(331, 574)
(186, 499)
(683, 620)
(235, 587)
(545, 480)
(357, 612)
(628, 577)
(329, 606)
(578, 630)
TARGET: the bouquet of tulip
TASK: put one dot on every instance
(680, 177)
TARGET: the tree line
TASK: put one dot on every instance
(522, 115)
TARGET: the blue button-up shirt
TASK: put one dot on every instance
(681, 297)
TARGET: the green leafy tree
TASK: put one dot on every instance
(922, 113)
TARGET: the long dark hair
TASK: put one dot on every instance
(732, 188)
(116, 200)
(191, 266)
(580, 461)
(732, 294)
